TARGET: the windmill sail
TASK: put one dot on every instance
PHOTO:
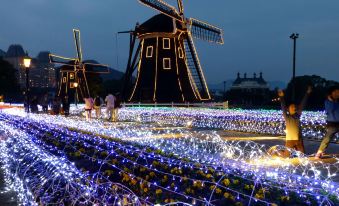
(205, 31)
(77, 41)
(196, 75)
(61, 60)
(163, 7)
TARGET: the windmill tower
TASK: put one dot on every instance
(167, 63)
(73, 71)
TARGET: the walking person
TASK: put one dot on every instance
(88, 107)
(97, 106)
(44, 103)
(332, 119)
(117, 105)
(56, 106)
(65, 105)
(34, 105)
(292, 115)
(110, 100)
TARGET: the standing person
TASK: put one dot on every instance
(56, 105)
(97, 106)
(44, 103)
(332, 119)
(110, 100)
(292, 115)
(34, 105)
(117, 105)
(65, 105)
(88, 107)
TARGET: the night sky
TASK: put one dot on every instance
(256, 33)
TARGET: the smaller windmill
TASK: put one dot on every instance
(73, 71)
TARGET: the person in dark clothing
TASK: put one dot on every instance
(56, 106)
(332, 120)
(97, 106)
(65, 105)
(44, 103)
(117, 105)
(34, 105)
(292, 115)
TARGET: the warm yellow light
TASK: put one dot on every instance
(75, 84)
(27, 62)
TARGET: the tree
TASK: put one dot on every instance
(317, 97)
(9, 86)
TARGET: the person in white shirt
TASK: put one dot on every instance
(88, 107)
(110, 100)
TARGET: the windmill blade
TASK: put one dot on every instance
(61, 60)
(96, 68)
(77, 41)
(205, 31)
(163, 7)
(181, 7)
(196, 75)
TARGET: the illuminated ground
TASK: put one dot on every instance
(235, 153)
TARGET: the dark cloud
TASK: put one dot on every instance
(256, 32)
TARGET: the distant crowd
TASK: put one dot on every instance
(61, 105)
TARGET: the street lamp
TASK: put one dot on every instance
(76, 84)
(294, 37)
(27, 64)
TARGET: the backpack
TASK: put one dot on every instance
(97, 102)
(117, 103)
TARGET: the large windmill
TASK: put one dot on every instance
(166, 61)
(73, 71)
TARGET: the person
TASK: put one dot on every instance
(292, 115)
(332, 119)
(117, 105)
(88, 107)
(34, 105)
(97, 106)
(56, 105)
(44, 103)
(110, 100)
(65, 105)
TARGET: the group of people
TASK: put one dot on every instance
(113, 103)
(58, 105)
(292, 114)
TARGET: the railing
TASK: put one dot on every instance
(214, 105)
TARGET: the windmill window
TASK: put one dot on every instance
(181, 53)
(167, 63)
(149, 52)
(166, 43)
(71, 75)
(64, 80)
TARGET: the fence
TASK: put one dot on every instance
(213, 105)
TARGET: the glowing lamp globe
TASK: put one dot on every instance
(27, 62)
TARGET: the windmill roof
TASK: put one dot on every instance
(15, 50)
(158, 23)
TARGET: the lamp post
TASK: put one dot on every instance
(294, 37)
(27, 64)
(76, 84)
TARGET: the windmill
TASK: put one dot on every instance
(73, 71)
(166, 61)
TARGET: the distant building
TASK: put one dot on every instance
(41, 74)
(249, 91)
(15, 55)
(44, 74)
